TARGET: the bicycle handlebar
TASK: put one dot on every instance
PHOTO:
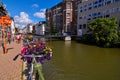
(32, 55)
(16, 57)
(27, 56)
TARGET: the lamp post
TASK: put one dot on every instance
(4, 21)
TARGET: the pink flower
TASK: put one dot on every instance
(23, 50)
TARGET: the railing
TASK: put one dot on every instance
(54, 36)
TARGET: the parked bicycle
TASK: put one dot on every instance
(35, 67)
(34, 53)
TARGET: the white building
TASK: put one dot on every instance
(12, 28)
(28, 28)
(89, 10)
(40, 28)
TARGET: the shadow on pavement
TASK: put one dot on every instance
(9, 49)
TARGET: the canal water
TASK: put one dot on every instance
(75, 61)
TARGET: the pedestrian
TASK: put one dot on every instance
(18, 38)
(9, 38)
(13, 38)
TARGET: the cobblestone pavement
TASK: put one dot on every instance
(9, 69)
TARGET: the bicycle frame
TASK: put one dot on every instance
(31, 72)
(32, 63)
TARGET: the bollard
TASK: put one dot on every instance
(3, 48)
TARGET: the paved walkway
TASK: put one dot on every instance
(9, 69)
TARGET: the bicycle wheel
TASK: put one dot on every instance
(30, 77)
(39, 75)
(36, 76)
(38, 71)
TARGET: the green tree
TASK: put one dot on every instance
(105, 31)
(16, 30)
(53, 29)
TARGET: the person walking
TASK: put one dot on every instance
(9, 38)
(18, 38)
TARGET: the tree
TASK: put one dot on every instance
(53, 29)
(16, 30)
(105, 31)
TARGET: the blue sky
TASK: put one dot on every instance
(26, 11)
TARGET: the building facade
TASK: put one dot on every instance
(67, 15)
(92, 9)
(28, 28)
(63, 17)
(3, 12)
(40, 28)
(12, 27)
(54, 18)
(49, 19)
(74, 17)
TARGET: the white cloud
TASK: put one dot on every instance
(35, 5)
(23, 19)
(42, 10)
(40, 14)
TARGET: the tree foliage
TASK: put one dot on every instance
(16, 30)
(53, 29)
(105, 31)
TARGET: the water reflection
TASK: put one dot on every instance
(67, 43)
(73, 61)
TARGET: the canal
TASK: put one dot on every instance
(75, 61)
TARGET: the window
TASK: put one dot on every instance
(80, 26)
(99, 5)
(85, 9)
(94, 14)
(100, 0)
(95, 2)
(89, 15)
(84, 26)
(80, 17)
(113, 10)
(80, 10)
(99, 13)
(68, 5)
(89, 18)
(100, 16)
(60, 10)
(68, 20)
(89, 8)
(108, 2)
(107, 16)
(68, 11)
(84, 16)
(89, 4)
(117, 9)
(68, 14)
(85, 5)
(108, 11)
(94, 17)
(95, 6)
(116, 0)
(60, 18)
(68, 27)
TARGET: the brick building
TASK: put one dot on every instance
(54, 18)
(63, 17)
